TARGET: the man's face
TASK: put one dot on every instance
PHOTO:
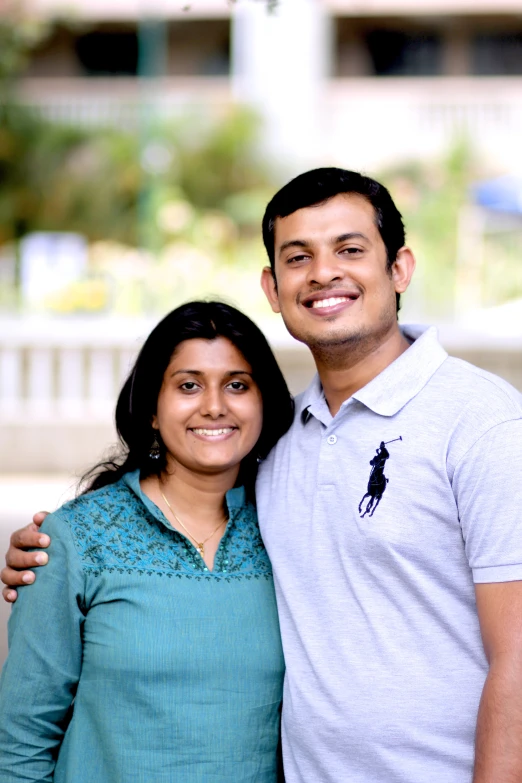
(332, 283)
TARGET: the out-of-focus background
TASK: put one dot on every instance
(140, 142)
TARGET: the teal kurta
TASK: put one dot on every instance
(176, 671)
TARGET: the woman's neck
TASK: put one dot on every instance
(197, 496)
(194, 504)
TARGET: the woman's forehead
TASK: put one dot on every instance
(217, 353)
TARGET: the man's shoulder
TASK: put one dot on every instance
(479, 389)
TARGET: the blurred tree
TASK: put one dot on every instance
(20, 32)
(62, 178)
(430, 196)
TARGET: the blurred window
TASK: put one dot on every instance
(497, 54)
(199, 47)
(395, 53)
(108, 52)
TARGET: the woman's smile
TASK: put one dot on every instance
(213, 434)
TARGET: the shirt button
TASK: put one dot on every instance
(331, 439)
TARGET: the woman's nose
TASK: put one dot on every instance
(213, 403)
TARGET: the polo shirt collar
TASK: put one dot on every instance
(396, 385)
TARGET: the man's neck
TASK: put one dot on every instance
(357, 366)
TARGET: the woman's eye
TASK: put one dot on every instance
(189, 386)
(237, 386)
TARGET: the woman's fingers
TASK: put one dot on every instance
(39, 517)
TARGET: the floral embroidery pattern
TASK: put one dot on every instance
(113, 531)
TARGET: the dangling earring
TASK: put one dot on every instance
(155, 450)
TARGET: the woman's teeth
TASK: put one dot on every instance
(212, 433)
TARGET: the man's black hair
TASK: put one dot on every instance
(320, 185)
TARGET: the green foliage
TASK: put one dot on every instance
(220, 161)
(62, 178)
(430, 197)
(19, 33)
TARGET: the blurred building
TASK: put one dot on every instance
(359, 83)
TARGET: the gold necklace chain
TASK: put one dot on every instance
(200, 545)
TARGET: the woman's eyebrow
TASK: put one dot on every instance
(201, 372)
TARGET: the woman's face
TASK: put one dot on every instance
(209, 411)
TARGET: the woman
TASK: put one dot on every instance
(150, 649)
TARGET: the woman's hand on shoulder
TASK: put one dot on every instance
(18, 560)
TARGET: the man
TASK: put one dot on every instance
(387, 513)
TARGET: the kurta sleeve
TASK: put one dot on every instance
(42, 670)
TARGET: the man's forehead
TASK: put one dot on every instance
(347, 212)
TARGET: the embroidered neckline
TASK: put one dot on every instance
(114, 532)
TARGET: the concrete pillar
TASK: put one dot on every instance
(457, 51)
(280, 60)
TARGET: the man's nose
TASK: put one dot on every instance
(324, 269)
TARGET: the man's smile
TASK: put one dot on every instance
(323, 303)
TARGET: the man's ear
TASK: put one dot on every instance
(402, 269)
(268, 284)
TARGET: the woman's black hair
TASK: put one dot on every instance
(138, 398)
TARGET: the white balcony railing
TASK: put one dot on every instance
(64, 371)
(364, 122)
(371, 122)
(123, 101)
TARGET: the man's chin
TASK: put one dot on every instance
(328, 335)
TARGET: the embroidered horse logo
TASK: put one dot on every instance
(377, 481)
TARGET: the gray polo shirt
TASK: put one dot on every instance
(378, 522)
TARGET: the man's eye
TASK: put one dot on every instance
(352, 251)
(297, 259)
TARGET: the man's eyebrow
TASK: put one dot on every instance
(306, 243)
(348, 236)
(293, 243)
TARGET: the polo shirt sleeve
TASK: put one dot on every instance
(42, 670)
(487, 484)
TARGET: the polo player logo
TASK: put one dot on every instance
(377, 481)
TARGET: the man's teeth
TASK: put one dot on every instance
(334, 300)
(212, 433)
